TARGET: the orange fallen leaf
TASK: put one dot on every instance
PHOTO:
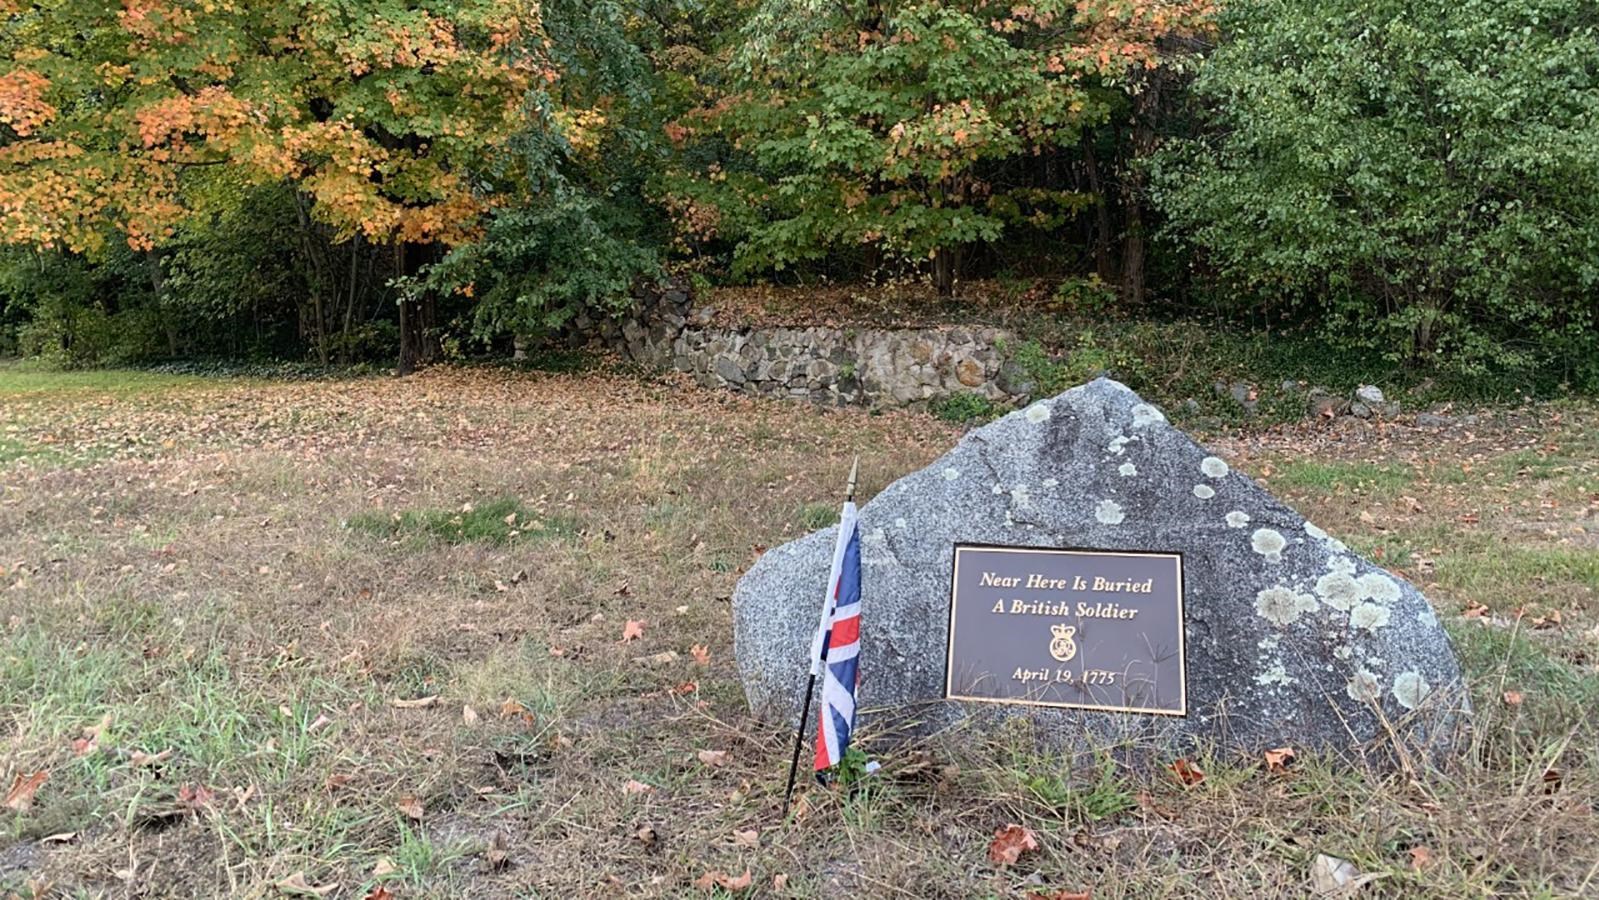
(636, 787)
(23, 787)
(701, 654)
(716, 878)
(1420, 857)
(1513, 698)
(1010, 843)
(380, 892)
(633, 630)
(411, 807)
(713, 757)
(1187, 772)
(1277, 760)
(512, 709)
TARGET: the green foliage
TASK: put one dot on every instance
(964, 407)
(903, 130)
(1417, 177)
(498, 521)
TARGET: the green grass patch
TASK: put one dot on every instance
(1512, 570)
(964, 408)
(1365, 477)
(499, 521)
(27, 379)
(814, 516)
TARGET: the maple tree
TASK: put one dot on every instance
(393, 118)
(907, 130)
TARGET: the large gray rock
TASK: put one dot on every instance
(1292, 640)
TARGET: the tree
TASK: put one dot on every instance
(1419, 175)
(900, 126)
(393, 119)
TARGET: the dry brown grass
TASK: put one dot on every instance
(178, 566)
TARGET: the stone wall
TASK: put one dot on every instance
(835, 366)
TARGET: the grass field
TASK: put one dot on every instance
(322, 638)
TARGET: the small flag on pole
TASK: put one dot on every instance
(838, 644)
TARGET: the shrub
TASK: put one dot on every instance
(1419, 175)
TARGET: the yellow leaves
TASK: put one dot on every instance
(22, 101)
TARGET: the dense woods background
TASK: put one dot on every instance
(410, 180)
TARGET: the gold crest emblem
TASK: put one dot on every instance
(1062, 647)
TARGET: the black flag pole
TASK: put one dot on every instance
(810, 684)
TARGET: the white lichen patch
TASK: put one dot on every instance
(1315, 531)
(1411, 689)
(1204, 491)
(1364, 687)
(1275, 675)
(1343, 651)
(1037, 413)
(1338, 590)
(1376, 661)
(1283, 605)
(1270, 642)
(1427, 618)
(1128, 470)
(1051, 482)
(1237, 519)
(1342, 565)
(1214, 466)
(999, 489)
(1020, 496)
(1268, 543)
(900, 522)
(1369, 616)
(951, 473)
(1118, 444)
(1144, 414)
(1379, 587)
(1109, 512)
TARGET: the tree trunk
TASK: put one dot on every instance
(157, 283)
(944, 273)
(1102, 261)
(419, 342)
(1146, 103)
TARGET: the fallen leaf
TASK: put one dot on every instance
(384, 867)
(701, 654)
(296, 884)
(749, 838)
(411, 807)
(468, 716)
(1420, 857)
(718, 879)
(23, 787)
(380, 892)
(195, 798)
(321, 722)
(65, 837)
(1010, 843)
(512, 709)
(633, 630)
(713, 757)
(1331, 875)
(1187, 772)
(780, 881)
(648, 836)
(1476, 611)
(417, 703)
(1277, 760)
(142, 759)
(636, 787)
(1513, 698)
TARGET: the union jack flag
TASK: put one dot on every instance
(836, 653)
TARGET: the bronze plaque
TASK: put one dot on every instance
(1091, 629)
